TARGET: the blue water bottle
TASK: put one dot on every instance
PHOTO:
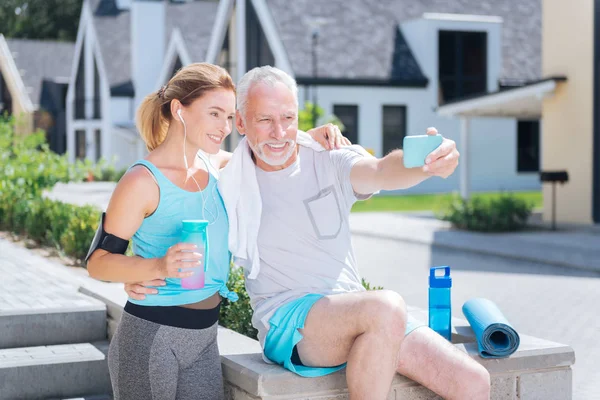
(440, 308)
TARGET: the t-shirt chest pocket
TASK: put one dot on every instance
(325, 213)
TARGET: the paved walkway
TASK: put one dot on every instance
(575, 247)
(93, 193)
(550, 302)
(30, 284)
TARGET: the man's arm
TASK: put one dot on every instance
(388, 173)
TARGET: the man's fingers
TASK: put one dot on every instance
(135, 291)
(136, 296)
(441, 151)
(155, 282)
(330, 136)
(338, 137)
(139, 289)
(432, 131)
(320, 136)
(442, 166)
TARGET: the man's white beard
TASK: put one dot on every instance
(274, 161)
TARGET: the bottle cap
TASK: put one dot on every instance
(194, 225)
(444, 281)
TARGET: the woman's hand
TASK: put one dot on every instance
(178, 260)
(329, 136)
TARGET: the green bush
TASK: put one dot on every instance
(106, 172)
(368, 286)
(59, 216)
(501, 214)
(37, 222)
(79, 231)
(29, 167)
(21, 210)
(110, 174)
(237, 316)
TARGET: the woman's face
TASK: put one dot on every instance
(209, 119)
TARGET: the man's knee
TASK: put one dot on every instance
(477, 383)
(387, 313)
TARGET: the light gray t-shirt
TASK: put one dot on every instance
(304, 238)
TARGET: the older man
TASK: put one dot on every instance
(310, 308)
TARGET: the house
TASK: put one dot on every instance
(34, 76)
(566, 101)
(124, 49)
(382, 67)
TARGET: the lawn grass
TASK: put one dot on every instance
(431, 202)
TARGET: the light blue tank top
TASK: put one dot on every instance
(162, 230)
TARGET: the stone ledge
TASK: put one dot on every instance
(539, 369)
(536, 360)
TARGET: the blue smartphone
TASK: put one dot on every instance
(417, 148)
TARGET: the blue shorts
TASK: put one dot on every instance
(283, 335)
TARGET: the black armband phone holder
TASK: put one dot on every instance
(106, 241)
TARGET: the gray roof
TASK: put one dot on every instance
(358, 40)
(37, 60)
(194, 19)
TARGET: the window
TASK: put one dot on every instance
(462, 67)
(80, 145)
(349, 117)
(5, 98)
(394, 127)
(528, 146)
(98, 143)
(258, 52)
(97, 96)
(80, 88)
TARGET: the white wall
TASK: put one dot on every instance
(126, 147)
(121, 110)
(147, 45)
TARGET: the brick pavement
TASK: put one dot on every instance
(32, 284)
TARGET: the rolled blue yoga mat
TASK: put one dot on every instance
(496, 338)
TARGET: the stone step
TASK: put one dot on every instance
(55, 372)
(41, 319)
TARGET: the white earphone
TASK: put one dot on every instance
(208, 164)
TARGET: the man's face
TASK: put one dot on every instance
(271, 125)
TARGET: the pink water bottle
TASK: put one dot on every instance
(194, 231)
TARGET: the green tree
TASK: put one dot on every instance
(40, 19)
(305, 118)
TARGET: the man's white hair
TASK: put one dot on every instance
(268, 75)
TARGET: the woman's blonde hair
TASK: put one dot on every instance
(188, 84)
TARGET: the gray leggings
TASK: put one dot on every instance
(149, 361)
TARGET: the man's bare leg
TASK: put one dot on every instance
(431, 360)
(364, 329)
